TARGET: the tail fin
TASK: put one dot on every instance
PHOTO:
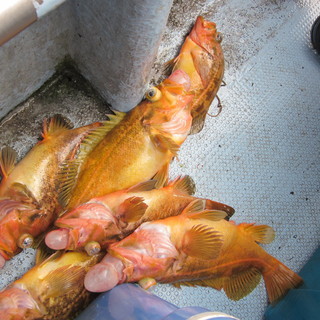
(279, 281)
(213, 205)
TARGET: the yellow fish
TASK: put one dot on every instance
(104, 220)
(53, 289)
(28, 191)
(195, 248)
(201, 58)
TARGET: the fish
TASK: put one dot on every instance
(201, 58)
(28, 190)
(94, 225)
(139, 146)
(52, 289)
(196, 248)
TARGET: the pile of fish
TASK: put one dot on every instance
(117, 217)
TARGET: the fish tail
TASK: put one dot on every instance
(279, 280)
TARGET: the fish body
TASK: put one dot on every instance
(51, 290)
(201, 58)
(139, 146)
(196, 248)
(28, 191)
(111, 217)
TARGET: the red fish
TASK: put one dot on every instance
(107, 219)
(28, 191)
(195, 248)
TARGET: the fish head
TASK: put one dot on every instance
(204, 33)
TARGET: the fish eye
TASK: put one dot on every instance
(219, 37)
(153, 94)
(25, 241)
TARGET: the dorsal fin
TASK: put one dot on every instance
(202, 242)
(194, 206)
(260, 233)
(143, 186)
(8, 158)
(161, 177)
(241, 284)
(184, 184)
(55, 124)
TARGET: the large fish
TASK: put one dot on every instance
(53, 289)
(104, 220)
(28, 191)
(195, 248)
(138, 147)
(201, 58)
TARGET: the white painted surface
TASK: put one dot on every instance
(45, 6)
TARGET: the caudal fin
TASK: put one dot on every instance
(279, 281)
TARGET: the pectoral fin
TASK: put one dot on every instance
(24, 194)
(63, 279)
(213, 215)
(215, 283)
(132, 209)
(202, 242)
(143, 186)
(184, 185)
(165, 142)
(260, 233)
(8, 158)
(194, 206)
(146, 283)
(161, 177)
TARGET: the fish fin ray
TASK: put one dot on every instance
(202, 242)
(143, 186)
(63, 279)
(215, 283)
(55, 124)
(260, 233)
(8, 157)
(184, 184)
(213, 205)
(43, 251)
(161, 177)
(194, 206)
(212, 215)
(132, 209)
(163, 141)
(67, 178)
(24, 193)
(241, 284)
(280, 281)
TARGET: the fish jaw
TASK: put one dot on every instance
(92, 221)
(204, 34)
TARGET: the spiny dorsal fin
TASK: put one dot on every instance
(63, 279)
(241, 284)
(143, 186)
(194, 206)
(132, 209)
(202, 242)
(67, 177)
(161, 177)
(55, 124)
(260, 233)
(8, 158)
(184, 184)
(212, 215)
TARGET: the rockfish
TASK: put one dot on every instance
(51, 290)
(201, 58)
(104, 220)
(138, 147)
(28, 191)
(195, 248)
